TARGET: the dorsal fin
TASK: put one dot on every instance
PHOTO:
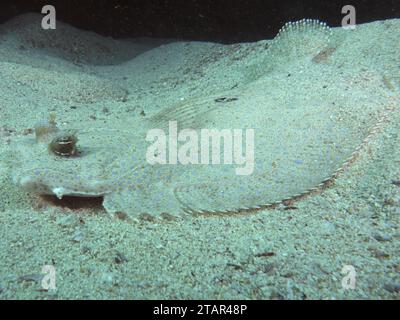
(295, 40)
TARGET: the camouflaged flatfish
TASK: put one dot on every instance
(307, 124)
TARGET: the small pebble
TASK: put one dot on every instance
(382, 238)
(121, 215)
(379, 254)
(27, 131)
(67, 220)
(392, 287)
(86, 249)
(269, 268)
(106, 110)
(168, 217)
(265, 254)
(34, 277)
(389, 202)
(396, 182)
(275, 295)
(120, 258)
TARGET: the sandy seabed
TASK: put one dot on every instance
(290, 252)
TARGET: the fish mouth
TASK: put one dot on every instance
(75, 203)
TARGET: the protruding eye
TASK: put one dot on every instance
(64, 144)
